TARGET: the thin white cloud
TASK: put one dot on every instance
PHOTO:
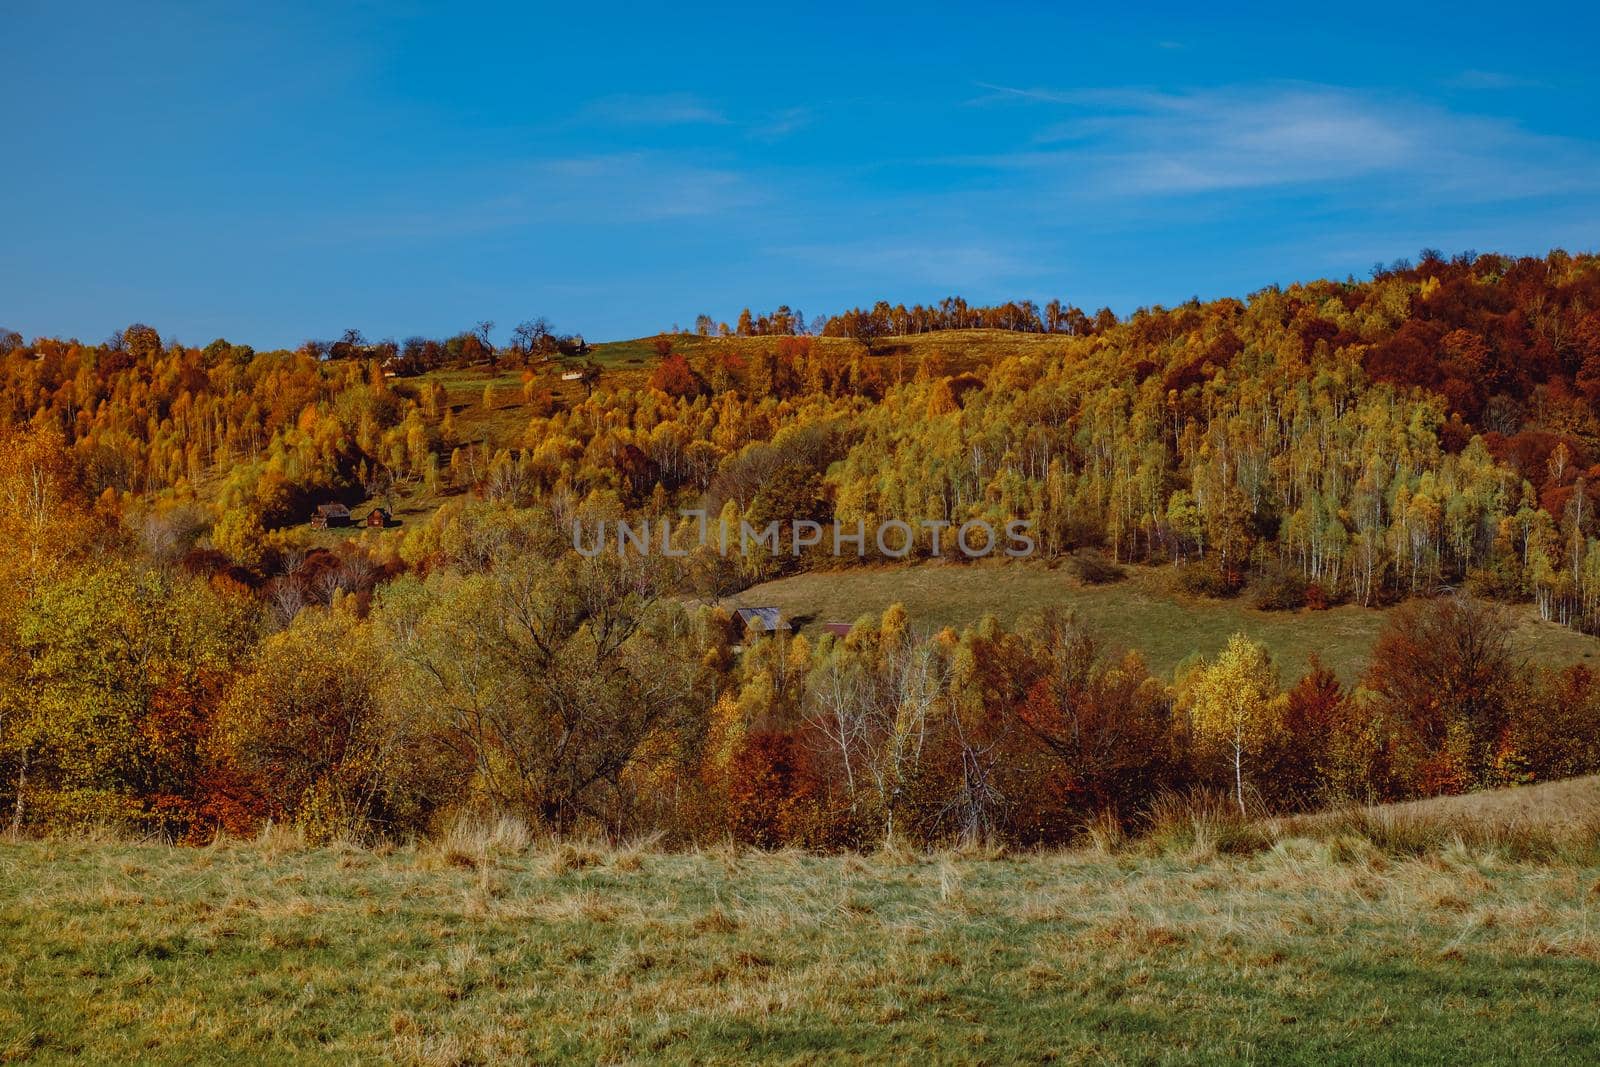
(661, 109)
(781, 124)
(1136, 142)
(621, 188)
(686, 109)
(954, 264)
(1491, 79)
(637, 187)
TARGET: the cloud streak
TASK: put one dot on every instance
(617, 189)
(1145, 143)
(662, 109)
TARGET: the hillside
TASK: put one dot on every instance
(1354, 443)
(628, 364)
(1141, 612)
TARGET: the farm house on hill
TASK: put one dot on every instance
(751, 623)
(378, 518)
(328, 515)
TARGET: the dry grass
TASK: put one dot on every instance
(1554, 821)
(1214, 938)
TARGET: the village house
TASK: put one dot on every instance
(378, 518)
(751, 623)
(328, 515)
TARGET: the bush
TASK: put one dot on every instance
(1280, 589)
(1202, 579)
(1092, 568)
(1499, 581)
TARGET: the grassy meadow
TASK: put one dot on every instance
(1419, 935)
(1141, 612)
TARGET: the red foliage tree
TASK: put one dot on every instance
(674, 377)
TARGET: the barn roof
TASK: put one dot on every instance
(332, 509)
(761, 618)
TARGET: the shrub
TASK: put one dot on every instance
(1202, 579)
(1279, 589)
(1500, 581)
(1092, 568)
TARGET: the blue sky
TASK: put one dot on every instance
(274, 172)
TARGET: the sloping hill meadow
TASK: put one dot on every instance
(1386, 936)
(1141, 612)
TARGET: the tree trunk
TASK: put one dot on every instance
(22, 786)
(1238, 775)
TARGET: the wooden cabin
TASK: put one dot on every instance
(377, 518)
(328, 515)
(837, 629)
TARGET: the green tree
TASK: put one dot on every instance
(124, 669)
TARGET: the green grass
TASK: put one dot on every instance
(488, 950)
(1141, 612)
(957, 349)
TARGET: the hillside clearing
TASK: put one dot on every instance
(1141, 612)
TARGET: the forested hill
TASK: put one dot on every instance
(1363, 440)
(182, 651)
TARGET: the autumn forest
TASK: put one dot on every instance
(182, 654)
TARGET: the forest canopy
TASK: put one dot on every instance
(180, 651)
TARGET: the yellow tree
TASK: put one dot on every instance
(1235, 705)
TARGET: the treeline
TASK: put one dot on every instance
(886, 320)
(510, 675)
(531, 341)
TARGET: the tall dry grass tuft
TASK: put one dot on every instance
(1417, 830)
(476, 843)
(1203, 824)
(630, 854)
(278, 839)
(1104, 834)
(895, 850)
(567, 856)
(984, 848)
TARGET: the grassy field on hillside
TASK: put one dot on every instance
(488, 948)
(956, 349)
(1141, 612)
